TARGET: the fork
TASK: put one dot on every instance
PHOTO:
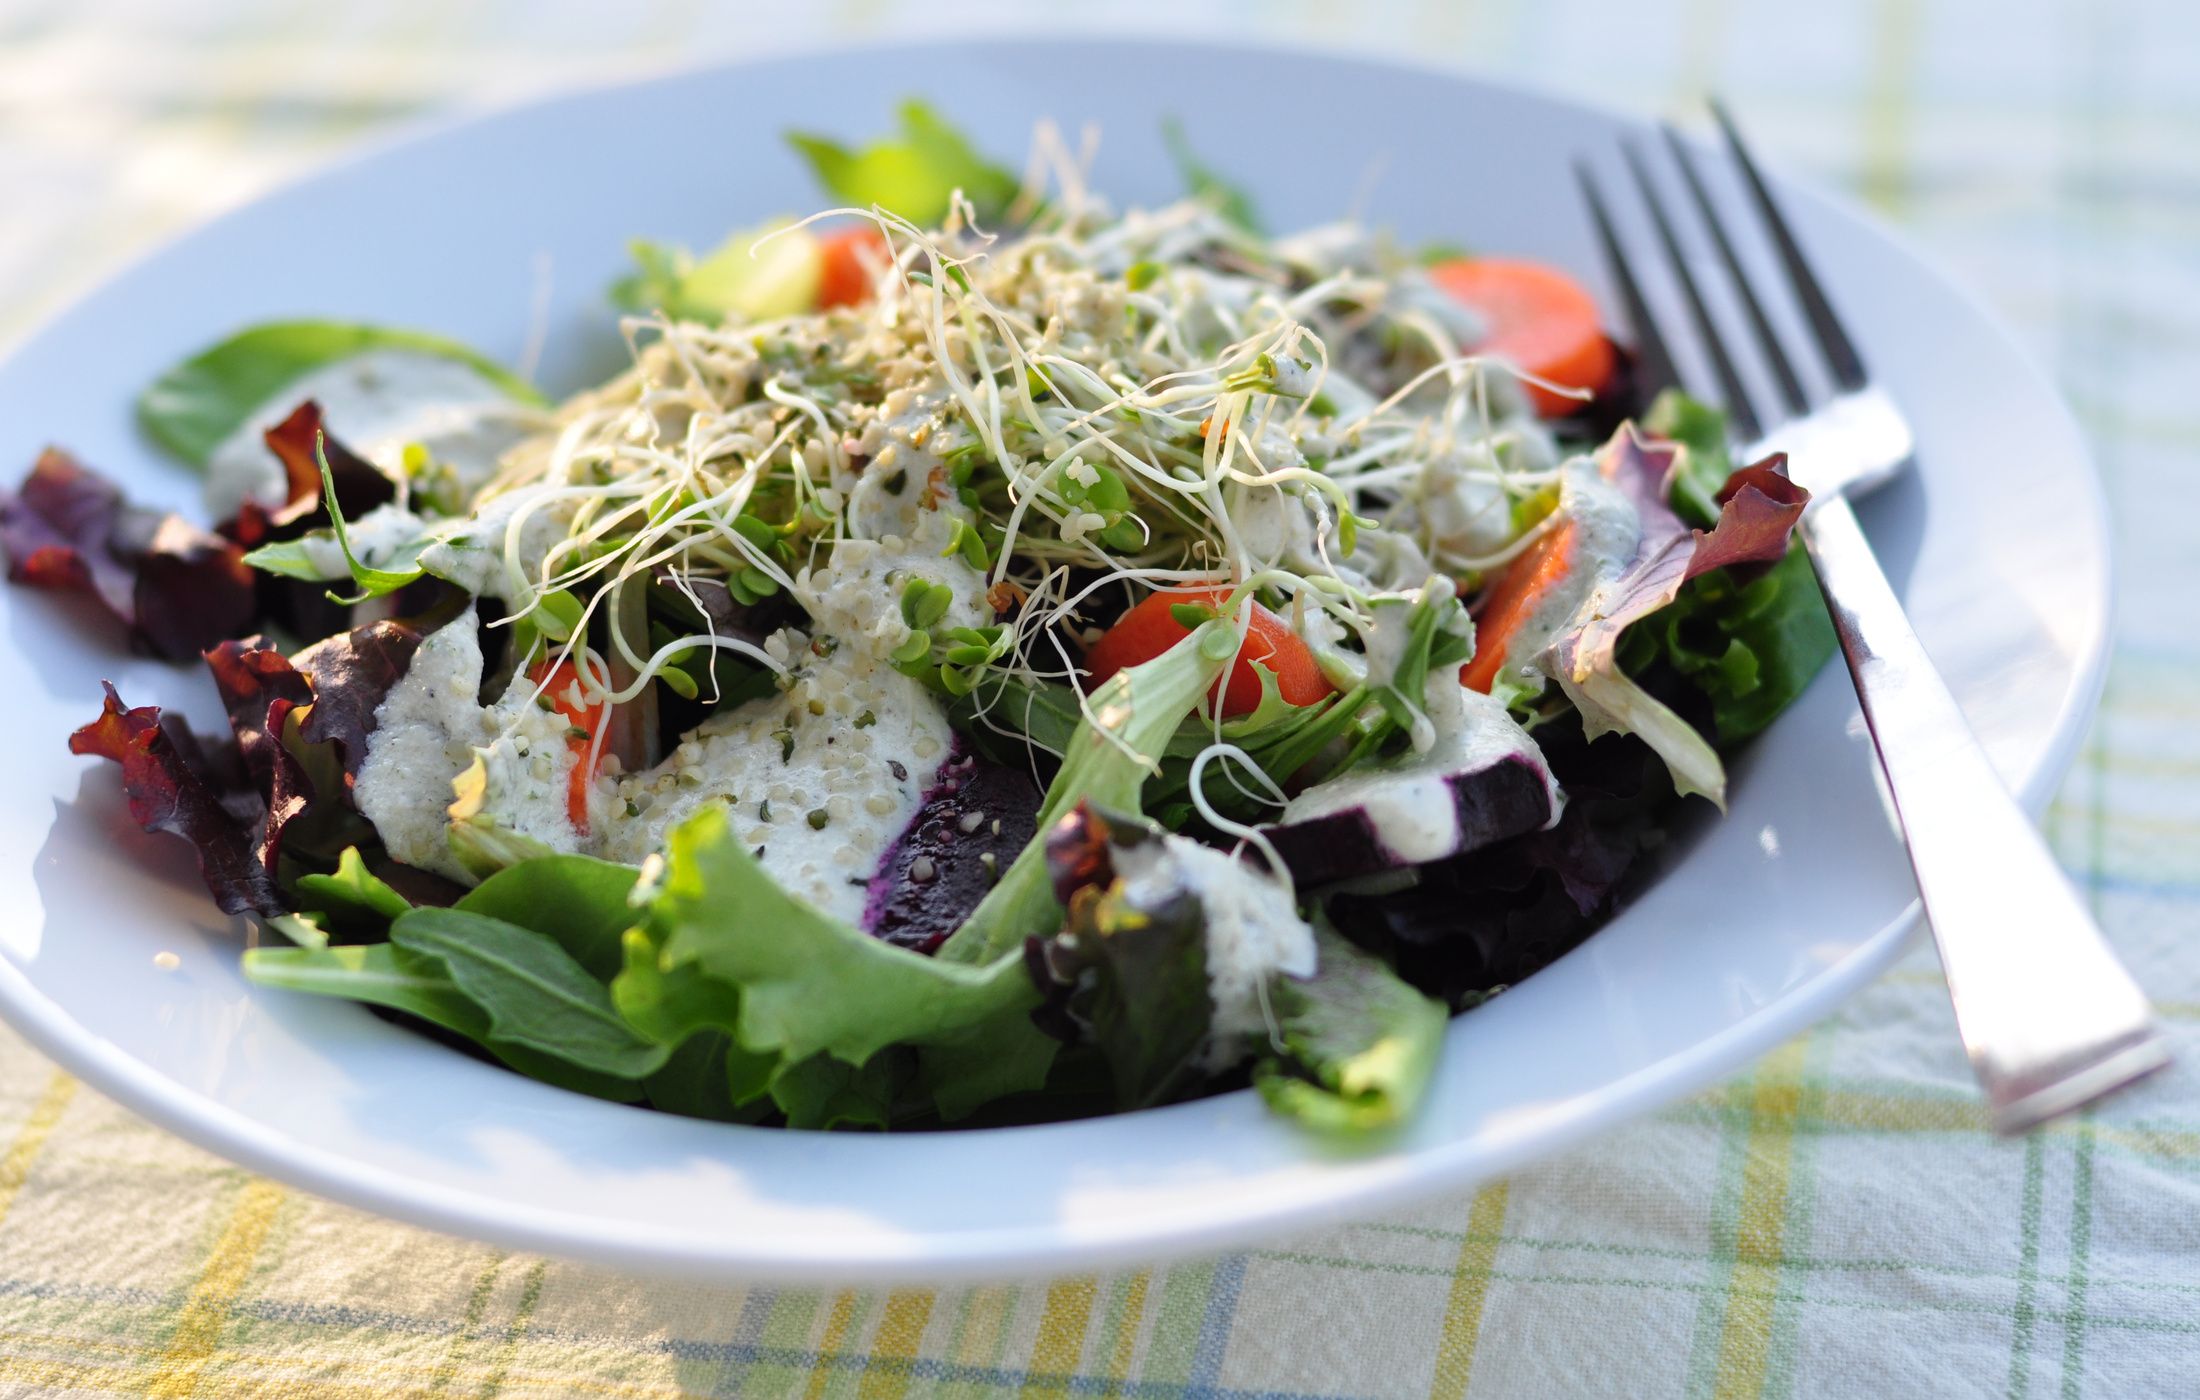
(2049, 1018)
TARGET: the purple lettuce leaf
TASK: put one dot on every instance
(165, 792)
(177, 588)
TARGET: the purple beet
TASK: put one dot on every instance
(1472, 789)
(973, 822)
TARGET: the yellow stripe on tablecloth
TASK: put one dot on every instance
(900, 1332)
(837, 1325)
(1470, 1286)
(206, 1311)
(1746, 1334)
(15, 1167)
(1062, 1327)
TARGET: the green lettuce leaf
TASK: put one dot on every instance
(1750, 646)
(1355, 1046)
(913, 174)
(198, 405)
(1105, 761)
(1706, 462)
(738, 281)
(724, 945)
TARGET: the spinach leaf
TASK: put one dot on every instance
(535, 996)
(199, 404)
(370, 973)
(578, 902)
(353, 902)
(376, 973)
(704, 1078)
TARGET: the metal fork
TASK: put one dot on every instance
(2050, 1019)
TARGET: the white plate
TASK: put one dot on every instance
(1776, 914)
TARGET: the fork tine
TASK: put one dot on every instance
(1848, 366)
(1783, 369)
(1653, 362)
(1738, 406)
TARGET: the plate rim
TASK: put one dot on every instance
(1021, 1251)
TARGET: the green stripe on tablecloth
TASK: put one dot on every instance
(1745, 1332)
(1727, 1108)
(2026, 1314)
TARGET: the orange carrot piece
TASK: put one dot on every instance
(1539, 318)
(559, 687)
(1513, 599)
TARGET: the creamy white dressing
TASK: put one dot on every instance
(901, 480)
(498, 551)
(1388, 639)
(1606, 532)
(376, 540)
(376, 403)
(1462, 502)
(856, 597)
(1253, 928)
(1409, 806)
(819, 780)
(432, 726)
(1275, 524)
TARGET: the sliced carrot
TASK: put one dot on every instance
(851, 256)
(1150, 629)
(1513, 599)
(1539, 318)
(560, 685)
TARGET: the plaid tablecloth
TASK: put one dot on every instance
(1836, 1222)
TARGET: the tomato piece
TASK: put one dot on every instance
(560, 684)
(849, 257)
(1149, 629)
(1513, 599)
(1539, 318)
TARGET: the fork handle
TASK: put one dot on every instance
(2050, 1019)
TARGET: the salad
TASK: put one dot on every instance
(990, 657)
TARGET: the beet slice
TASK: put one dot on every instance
(1482, 781)
(937, 871)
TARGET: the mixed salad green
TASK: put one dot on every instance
(991, 656)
